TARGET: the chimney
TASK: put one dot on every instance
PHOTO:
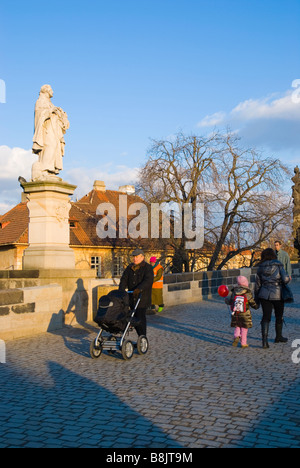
(99, 185)
(128, 189)
(24, 198)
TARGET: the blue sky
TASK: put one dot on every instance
(126, 71)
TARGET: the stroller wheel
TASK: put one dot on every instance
(142, 344)
(127, 350)
(95, 350)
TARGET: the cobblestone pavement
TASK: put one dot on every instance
(192, 389)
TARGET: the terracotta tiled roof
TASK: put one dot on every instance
(83, 221)
(14, 225)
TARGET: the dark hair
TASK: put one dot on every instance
(268, 254)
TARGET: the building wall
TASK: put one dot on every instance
(11, 257)
(7, 258)
(111, 260)
(83, 260)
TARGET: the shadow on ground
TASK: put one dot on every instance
(68, 410)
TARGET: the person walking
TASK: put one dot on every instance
(270, 278)
(284, 258)
(158, 285)
(138, 277)
(240, 301)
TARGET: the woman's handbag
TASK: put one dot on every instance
(286, 294)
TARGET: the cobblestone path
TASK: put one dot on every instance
(192, 389)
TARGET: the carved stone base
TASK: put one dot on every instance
(48, 230)
(45, 258)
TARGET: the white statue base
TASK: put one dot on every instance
(48, 230)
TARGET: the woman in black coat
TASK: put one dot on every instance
(268, 291)
(138, 277)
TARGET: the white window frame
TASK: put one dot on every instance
(96, 264)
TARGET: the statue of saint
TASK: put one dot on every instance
(50, 125)
(296, 190)
(296, 178)
(296, 210)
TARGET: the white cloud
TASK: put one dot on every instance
(113, 177)
(270, 107)
(271, 122)
(5, 207)
(15, 162)
(283, 108)
(213, 120)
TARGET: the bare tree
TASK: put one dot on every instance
(177, 171)
(248, 198)
(241, 189)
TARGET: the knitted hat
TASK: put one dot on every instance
(242, 281)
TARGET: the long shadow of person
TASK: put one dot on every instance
(78, 304)
(63, 409)
(77, 338)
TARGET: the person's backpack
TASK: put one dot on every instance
(239, 304)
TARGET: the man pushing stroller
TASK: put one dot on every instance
(138, 277)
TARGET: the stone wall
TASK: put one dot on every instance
(76, 288)
(194, 287)
(296, 272)
(75, 303)
(28, 311)
(37, 301)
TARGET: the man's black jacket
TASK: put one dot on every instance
(139, 277)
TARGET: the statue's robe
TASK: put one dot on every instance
(48, 140)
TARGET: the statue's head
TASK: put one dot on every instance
(46, 89)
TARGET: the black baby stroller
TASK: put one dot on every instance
(116, 319)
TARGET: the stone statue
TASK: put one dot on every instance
(50, 125)
(296, 210)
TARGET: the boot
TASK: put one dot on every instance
(265, 333)
(279, 338)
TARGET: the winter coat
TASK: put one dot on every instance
(284, 258)
(242, 319)
(269, 280)
(157, 289)
(138, 277)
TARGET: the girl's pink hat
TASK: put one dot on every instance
(153, 259)
(242, 281)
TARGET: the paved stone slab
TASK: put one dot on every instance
(193, 389)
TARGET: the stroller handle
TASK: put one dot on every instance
(138, 298)
(131, 292)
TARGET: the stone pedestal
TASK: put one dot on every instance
(48, 231)
(297, 241)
